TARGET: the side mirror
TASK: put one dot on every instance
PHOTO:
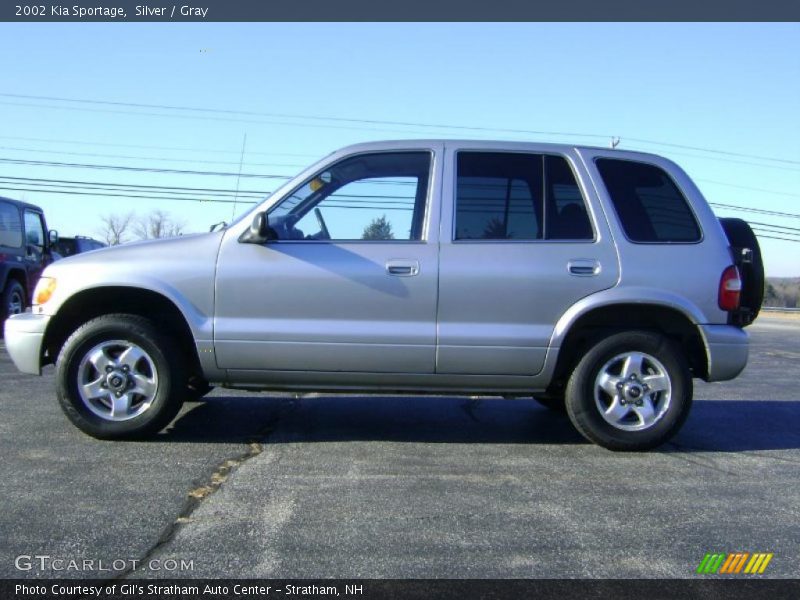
(259, 231)
(52, 236)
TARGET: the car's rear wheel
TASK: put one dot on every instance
(118, 376)
(631, 391)
(13, 299)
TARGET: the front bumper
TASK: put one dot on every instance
(727, 348)
(24, 334)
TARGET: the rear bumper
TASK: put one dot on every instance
(727, 349)
(23, 335)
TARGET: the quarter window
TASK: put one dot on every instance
(514, 196)
(650, 206)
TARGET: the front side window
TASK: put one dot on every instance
(650, 206)
(10, 226)
(34, 232)
(515, 196)
(369, 197)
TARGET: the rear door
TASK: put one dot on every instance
(522, 239)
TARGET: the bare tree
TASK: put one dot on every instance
(114, 227)
(158, 224)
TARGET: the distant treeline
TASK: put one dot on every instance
(783, 292)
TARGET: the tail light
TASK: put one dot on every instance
(730, 289)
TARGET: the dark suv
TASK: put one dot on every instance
(67, 246)
(25, 250)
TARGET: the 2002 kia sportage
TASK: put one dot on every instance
(594, 280)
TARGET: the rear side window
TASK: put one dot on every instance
(10, 226)
(515, 196)
(650, 206)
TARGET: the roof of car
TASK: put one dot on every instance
(488, 144)
(21, 203)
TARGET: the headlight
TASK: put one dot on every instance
(44, 290)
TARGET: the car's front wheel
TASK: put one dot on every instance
(631, 391)
(118, 376)
(13, 299)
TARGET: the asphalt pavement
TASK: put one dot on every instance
(274, 485)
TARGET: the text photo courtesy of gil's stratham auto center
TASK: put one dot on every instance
(456, 301)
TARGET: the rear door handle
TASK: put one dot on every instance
(583, 267)
(402, 267)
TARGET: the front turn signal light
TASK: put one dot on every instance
(44, 290)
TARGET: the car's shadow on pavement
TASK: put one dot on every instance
(713, 426)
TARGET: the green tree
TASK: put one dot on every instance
(378, 229)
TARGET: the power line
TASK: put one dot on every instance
(135, 169)
(786, 234)
(158, 158)
(138, 196)
(210, 118)
(132, 185)
(752, 189)
(306, 117)
(207, 111)
(726, 159)
(759, 211)
(149, 147)
(773, 225)
(772, 237)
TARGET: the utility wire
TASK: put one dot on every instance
(759, 211)
(206, 111)
(157, 158)
(131, 185)
(148, 147)
(752, 189)
(135, 169)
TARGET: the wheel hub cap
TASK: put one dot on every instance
(117, 380)
(632, 391)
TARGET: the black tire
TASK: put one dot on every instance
(554, 403)
(14, 300)
(162, 353)
(582, 406)
(740, 235)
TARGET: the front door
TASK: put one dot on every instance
(350, 281)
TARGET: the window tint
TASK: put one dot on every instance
(10, 226)
(650, 206)
(566, 214)
(498, 196)
(368, 197)
(518, 196)
(34, 232)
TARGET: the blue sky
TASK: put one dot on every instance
(729, 87)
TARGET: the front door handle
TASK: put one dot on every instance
(583, 267)
(402, 268)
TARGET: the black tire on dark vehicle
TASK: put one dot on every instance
(631, 391)
(740, 235)
(120, 377)
(13, 299)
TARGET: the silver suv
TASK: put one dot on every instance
(597, 281)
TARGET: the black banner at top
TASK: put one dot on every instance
(399, 10)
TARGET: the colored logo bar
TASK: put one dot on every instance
(734, 563)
